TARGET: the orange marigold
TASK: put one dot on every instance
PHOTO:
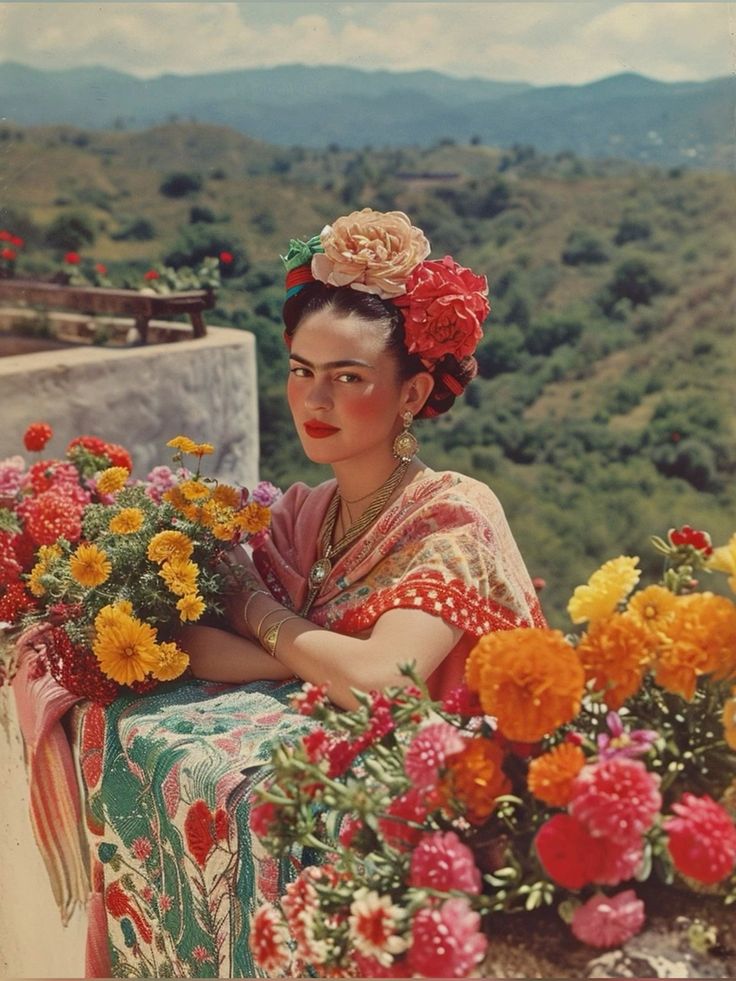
(253, 518)
(729, 720)
(530, 679)
(551, 775)
(653, 607)
(614, 653)
(700, 639)
(474, 777)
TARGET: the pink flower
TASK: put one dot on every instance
(265, 493)
(373, 924)
(141, 848)
(11, 476)
(301, 906)
(441, 861)
(159, 480)
(401, 827)
(617, 798)
(446, 941)
(269, 940)
(444, 307)
(702, 839)
(428, 751)
(608, 921)
(569, 853)
(200, 954)
(370, 967)
(462, 701)
(623, 742)
(165, 902)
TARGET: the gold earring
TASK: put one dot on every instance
(406, 445)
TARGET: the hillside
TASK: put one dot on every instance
(627, 115)
(604, 408)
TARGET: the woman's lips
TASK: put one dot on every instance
(319, 430)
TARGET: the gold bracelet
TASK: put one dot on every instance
(248, 602)
(257, 631)
(271, 636)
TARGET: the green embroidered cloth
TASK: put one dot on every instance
(169, 779)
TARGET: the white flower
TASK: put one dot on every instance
(372, 926)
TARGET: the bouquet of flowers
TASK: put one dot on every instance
(113, 566)
(566, 768)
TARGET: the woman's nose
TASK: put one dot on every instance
(319, 396)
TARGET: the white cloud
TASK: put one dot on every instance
(545, 43)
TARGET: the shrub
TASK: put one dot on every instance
(135, 230)
(196, 242)
(632, 230)
(550, 331)
(200, 214)
(70, 231)
(179, 184)
(502, 349)
(636, 280)
(583, 247)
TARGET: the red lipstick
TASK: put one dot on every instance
(319, 430)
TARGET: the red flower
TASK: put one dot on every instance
(152, 274)
(72, 258)
(14, 601)
(17, 241)
(315, 745)
(444, 307)
(226, 258)
(37, 436)
(702, 839)
(5, 236)
(608, 921)
(699, 540)
(428, 751)
(462, 701)
(118, 456)
(53, 515)
(8, 254)
(203, 829)
(401, 827)
(93, 444)
(101, 268)
(311, 697)
(568, 851)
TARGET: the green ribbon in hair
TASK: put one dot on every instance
(300, 253)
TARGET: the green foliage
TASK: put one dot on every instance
(632, 229)
(583, 247)
(135, 230)
(542, 336)
(179, 184)
(71, 230)
(636, 279)
(196, 242)
(199, 213)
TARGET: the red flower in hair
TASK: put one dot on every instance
(37, 436)
(444, 307)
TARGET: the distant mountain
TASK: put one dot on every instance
(626, 115)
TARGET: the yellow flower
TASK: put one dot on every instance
(46, 555)
(203, 449)
(183, 444)
(180, 577)
(126, 522)
(170, 662)
(225, 530)
(605, 589)
(175, 497)
(113, 613)
(170, 546)
(253, 518)
(112, 480)
(89, 565)
(126, 649)
(226, 496)
(653, 608)
(194, 490)
(723, 559)
(190, 607)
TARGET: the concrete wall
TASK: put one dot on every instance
(141, 397)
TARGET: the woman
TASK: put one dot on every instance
(385, 564)
(418, 564)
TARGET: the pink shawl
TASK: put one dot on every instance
(444, 546)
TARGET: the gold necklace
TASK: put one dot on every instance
(332, 551)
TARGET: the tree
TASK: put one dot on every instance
(70, 230)
(179, 184)
(635, 279)
(583, 247)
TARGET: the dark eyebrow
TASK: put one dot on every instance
(331, 364)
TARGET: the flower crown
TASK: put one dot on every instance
(443, 304)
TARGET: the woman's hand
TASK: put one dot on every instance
(246, 581)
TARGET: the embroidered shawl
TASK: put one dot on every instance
(444, 546)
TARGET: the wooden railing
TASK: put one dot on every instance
(141, 307)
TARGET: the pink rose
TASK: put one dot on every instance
(444, 307)
(371, 251)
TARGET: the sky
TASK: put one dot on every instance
(555, 42)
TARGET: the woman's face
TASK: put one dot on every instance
(343, 389)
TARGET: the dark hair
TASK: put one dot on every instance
(450, 375)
